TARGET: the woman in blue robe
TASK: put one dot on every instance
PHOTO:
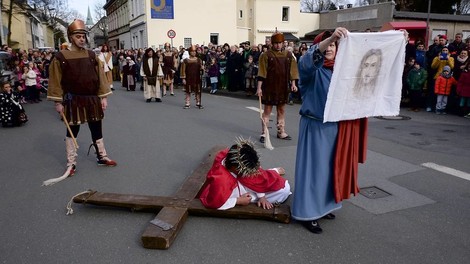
(314, 193)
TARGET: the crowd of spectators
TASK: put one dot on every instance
(438, 79)
(229, 67)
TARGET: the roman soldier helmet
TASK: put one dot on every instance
(76, 27)
(277, 37)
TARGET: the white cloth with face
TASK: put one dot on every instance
(367, 76)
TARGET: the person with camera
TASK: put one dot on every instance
(438, 63)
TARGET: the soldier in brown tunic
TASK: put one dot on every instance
(79, 88)
(191, 69)
(169, 69)
(277, 71)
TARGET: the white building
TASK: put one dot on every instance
(141, 23)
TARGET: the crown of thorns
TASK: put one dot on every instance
(247, 165)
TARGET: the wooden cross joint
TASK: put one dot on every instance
(173, 211)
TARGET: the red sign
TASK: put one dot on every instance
(171, 33)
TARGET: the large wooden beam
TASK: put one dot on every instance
(149, 203)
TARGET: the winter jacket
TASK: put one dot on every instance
(444, 84)
(463, 86)
(416, 79)
(30, 78)
(439, 64)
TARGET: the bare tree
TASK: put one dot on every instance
(464, 7)
(99, 13)
(311, 6)
(54, 9)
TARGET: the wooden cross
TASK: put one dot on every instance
(173, 211)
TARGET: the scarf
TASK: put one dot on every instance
(462, 60)
(329, 64)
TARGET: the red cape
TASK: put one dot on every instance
(220, 183)
(351, 148)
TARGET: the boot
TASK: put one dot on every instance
(101, 156)
(71, 156)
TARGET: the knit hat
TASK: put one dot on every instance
(446, 68)
(443, 37)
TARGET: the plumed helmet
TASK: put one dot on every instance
(277, 37)
(322, 36)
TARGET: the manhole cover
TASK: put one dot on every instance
(448, 131)
(389, 127)
(416, 134)
(442, 139)
(374, 192)
(399, 117)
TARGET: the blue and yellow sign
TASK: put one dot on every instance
(161, 9)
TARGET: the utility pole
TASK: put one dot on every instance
(10, 14)
(427, 24)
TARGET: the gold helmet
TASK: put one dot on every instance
(76, 27)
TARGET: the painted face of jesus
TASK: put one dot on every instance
(370, 68)
(330, 52)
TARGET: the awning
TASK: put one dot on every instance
(404, 25)
(290, 37)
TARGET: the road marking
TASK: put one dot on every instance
(256, 109)
(447, 170)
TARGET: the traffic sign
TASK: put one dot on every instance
(171, 33)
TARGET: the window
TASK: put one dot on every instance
(285, 13)
(240, 14)
(187, 42)
(465, 34)
(214, 38)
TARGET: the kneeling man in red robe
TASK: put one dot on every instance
(236, 178)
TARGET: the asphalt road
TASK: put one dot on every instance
(424, 217)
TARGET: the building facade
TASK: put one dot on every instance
(146, 23)
(117, 12)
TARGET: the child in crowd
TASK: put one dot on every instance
(442, 89)
(213, 73)
(29, 77)
(250, 75)
(416, 79)
(222, 68)
(11, 110)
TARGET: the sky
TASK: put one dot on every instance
(81, 6)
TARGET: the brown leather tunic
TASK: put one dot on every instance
(191, 71)
(276, 68)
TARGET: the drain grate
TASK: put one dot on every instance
(399, 117)
(374, 192)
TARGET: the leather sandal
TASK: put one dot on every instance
(284, 138)
(262, 139)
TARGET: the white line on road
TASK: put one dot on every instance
(447, 170)
(256, 109)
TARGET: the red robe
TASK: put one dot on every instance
(220, 183)
(351, 148)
